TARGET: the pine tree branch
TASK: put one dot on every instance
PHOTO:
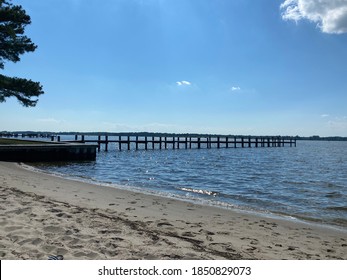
(24, 90)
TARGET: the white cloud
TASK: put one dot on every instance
(325, 115)
(233, 88)
(183, 83)
(49, 120)
(329, 15)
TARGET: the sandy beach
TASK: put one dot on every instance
(42, 215)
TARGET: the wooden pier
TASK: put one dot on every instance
(158, 141)
(152, 142)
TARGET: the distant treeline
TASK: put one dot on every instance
(155, 134)
(318, 138)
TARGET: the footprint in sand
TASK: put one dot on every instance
(12, 228)
(164, 224)
(55, 210)
(48, 248)
(188, 234)
(72, 231)
(90, 255)
(223, 232)
(63, 215)
(117, 239)
(312, 237)
(194, 225)
(33, 241)
(250, 248)
(19, 211)
(207, 232)
(292, 248)
(53, 229)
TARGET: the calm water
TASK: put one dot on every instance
(308, 182)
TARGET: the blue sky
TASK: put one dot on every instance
(269, 67)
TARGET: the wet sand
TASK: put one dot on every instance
(42, 215)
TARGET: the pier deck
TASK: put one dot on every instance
(148, 141)
(186, 142)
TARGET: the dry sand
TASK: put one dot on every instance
(42, 215)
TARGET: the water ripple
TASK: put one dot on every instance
(308, 181)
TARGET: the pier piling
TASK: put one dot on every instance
(153, 142)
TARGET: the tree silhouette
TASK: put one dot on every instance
(13, 43)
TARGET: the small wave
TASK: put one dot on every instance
(340, 222)
(294, 183)
(206, 192)
(331, 185)
(337, 208)
(333, 195)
